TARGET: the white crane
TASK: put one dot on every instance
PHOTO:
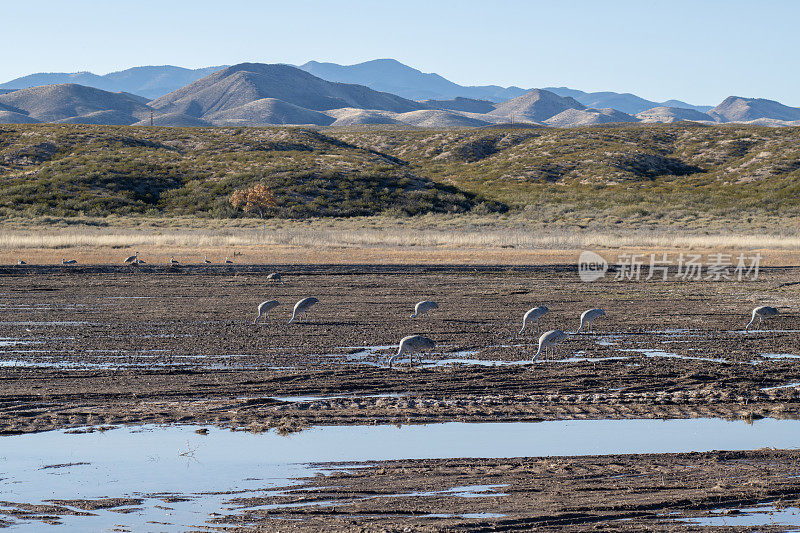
(411, 344)
(205, 260)
(173, 261)
(228, 261)
(533, 315)
(423, 307)
(761, 312)
(274, 277)
(132, 259)
(548, 340)
(68, 261)
(264, 307)
(588, 316)
(301, 307)
(21, 262)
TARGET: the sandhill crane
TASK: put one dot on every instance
(274, 277)
(205, 260)
(301, 307)
(173, 261)
(263, 307)
(549, 339)
(411, 344)
(587, 317)
(68, 261)
(533, 315)
(21, 262)
(132, 258)
(423, 307)
(761, 312)
(228, 261)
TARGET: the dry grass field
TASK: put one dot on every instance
(446, 239)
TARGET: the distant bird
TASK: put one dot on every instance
(205, 260)
(132, 258)
(533, 315)
(140, 261)
(173, 261)
(761, 312)
(423, 307)
(228, 261)
(588, 316)
(21, 262)
(411, 344)
(68, 261)
(274, 276)
(263, 307)
(549, 339)
(301, 307)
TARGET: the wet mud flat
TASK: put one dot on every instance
(735, 491)
(178, 345)
(576, 475)
(87, 350)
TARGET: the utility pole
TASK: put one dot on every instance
(151, 117)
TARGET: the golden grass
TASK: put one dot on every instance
(528, 239)
(449, 239)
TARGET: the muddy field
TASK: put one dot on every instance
(109, 346)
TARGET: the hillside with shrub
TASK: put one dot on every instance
(616, 175)
(69, 170)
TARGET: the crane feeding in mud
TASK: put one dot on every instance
(132, 259)
(302, 307)
(762, 312)
(548, 340)
(533, 315)
(423, 307)
(274, 277)
(588, 316)
(68, 262)
(264, 307)
(411, 344)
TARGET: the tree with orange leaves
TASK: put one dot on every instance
(257, 199)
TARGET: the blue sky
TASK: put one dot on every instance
(698, 51)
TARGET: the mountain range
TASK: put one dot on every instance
(380, 92)
(150, 82)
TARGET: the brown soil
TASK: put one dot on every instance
(616, 493)
(163, 345)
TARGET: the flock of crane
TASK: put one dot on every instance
(132, 260)
(419, 343)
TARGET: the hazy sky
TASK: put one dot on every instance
(694, 50)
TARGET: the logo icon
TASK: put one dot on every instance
(591, 266)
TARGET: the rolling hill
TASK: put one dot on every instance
(148, 81)
(671, 114)
(242, 84)
(570, 118)
(636, 174)
(76, 103)
(738, 109)
(390, 75)
(468, 105)
(256, 94)
(537, 105)
(102, 170)
(625, 102)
